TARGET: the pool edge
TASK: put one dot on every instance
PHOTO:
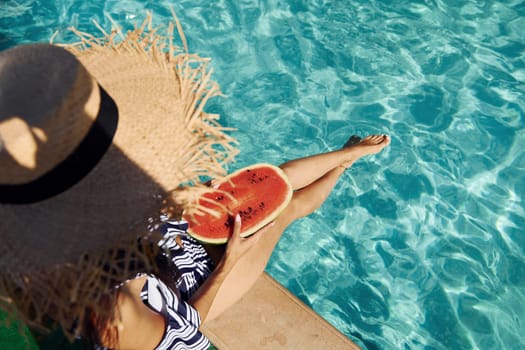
(270, 317)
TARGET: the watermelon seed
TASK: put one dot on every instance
(245, 215)
(229, 222)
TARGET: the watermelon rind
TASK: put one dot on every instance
(264, 221)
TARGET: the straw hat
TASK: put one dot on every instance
(93, 137)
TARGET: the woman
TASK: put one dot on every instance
(138, 324)
(92, 139)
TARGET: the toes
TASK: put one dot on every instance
(382, 139)
(369, 140)
(375, 139)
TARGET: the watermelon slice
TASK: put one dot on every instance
(259, 193)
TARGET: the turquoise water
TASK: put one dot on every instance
(421, 246)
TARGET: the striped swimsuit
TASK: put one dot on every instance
(182, 320)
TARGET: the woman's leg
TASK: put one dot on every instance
(304, 201)
(307, 199)
(325, 168)
(304, 171)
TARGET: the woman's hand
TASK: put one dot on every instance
(237, 245)
(227, 284)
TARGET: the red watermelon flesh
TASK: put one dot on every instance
(259, 193)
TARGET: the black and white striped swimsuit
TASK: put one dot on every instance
(192, 261)
(194, 265)
(182, 319)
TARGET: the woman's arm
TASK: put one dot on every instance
(213, 297)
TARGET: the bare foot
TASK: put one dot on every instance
(358, 147)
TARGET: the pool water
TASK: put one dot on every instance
(421, 246)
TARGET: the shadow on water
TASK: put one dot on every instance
(377, 206)
(372, 303)
(6, 42)
(442, 322)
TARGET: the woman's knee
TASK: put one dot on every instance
(299, 207)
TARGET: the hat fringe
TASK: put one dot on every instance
(206, 156)
(66, 292)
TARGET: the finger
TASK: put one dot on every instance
(236, 226)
